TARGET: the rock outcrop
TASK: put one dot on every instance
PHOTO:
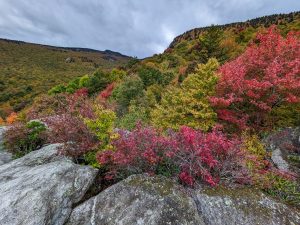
(285, 148)
(156, 200)
(44, 188)
(138, 200)
(41, 188)
(5, 157)
(69, 60)
(243, 207)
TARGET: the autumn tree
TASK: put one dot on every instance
(260, 81)
(117, 74)
(101, 125)
(12, 118)
(189, 105)
(2, 122)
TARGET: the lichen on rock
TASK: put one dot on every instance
(139, 199)
(41, 187)
(244, 206)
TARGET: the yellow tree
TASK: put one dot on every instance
(102, 126)
(189, 105)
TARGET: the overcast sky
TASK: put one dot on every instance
(133, 27)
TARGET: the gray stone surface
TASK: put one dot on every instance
(138, 200)
(285, 148)
(243, 207)
(5, 157)
(2, 129)
(278, 160)
(41, 187)
(158, 201)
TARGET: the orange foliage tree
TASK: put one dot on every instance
(12, 118)
(1, 121)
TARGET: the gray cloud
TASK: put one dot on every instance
(133, 27)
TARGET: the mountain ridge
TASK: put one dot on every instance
(77, 49)
(256, 22)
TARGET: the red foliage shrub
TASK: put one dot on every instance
(138, 151)
(52, 105)
(21, 138)
(188, 154)
(106, 93)
(69, 128)
(82, 92)
(262, 78)
(71, 131)
(209, 156)
(186, 178)
(78, 104)
(47, 105)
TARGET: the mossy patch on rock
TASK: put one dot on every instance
(139, 199)
(159, 184)
(222, 206)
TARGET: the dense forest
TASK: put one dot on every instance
(198, 112)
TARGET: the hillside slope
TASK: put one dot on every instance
(27, 70)
(224, 42)
(286, 21)
(147, 82)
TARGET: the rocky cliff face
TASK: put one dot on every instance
(265, 21)
(43, 188)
